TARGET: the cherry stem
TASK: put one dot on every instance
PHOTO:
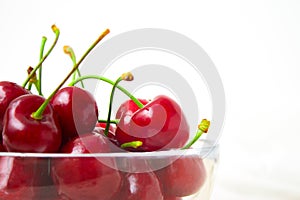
(57, 32)
(133, 144)
(39, 83)
(126, 92)
(38, 114)
(33, 78)
(112, 121)
(29, 86)
(202, 128)
(124, 77)
(68, 50)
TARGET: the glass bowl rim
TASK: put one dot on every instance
(203, 152)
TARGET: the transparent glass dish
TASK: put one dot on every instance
(93, 176)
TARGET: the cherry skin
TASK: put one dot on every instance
(77, 111)
(102, 125)
(114, 145)
(86, 178)
(21, 178)
(129, 107)
(8, 92)
(139, 182)
(159, 125)
(172, 198)
(23, 133)
(2, 149)
(183, 177)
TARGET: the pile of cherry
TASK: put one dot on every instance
(67, 122)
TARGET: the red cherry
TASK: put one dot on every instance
(23, 133)
(160, 124)
(77, 111)
(87, 178)
(114, 145)
(22, 178)
(172, 198)
(129, 107)
(8, 92)
(2, 149)
(184, 177)
(139, 182)
(102, 125)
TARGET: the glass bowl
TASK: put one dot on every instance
(112, 176)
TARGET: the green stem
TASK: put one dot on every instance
(133, 144)
(68, 50)
(110, 105)
(39, 84)
(57, 32)
(134, 99)
(112, 121)
(38, 114)
(29, 86)
(33, 80)
(202, 128)
(197, 136)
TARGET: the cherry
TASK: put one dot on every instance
(23, 133)
(139, 182)
(183, 177)
(172, 198)
(8, 92)
(159, 125)
(114, 145)
(74, 120)
(21, 178)
(102, 125)
(86, 177)
(2, 149)
(77, 111)
(129, 107)
(133, 144)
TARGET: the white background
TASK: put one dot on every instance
(254, 44)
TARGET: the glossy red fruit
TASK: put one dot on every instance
(8, 92)
(77, 111)
(23, 133)
(2, 149)
(129, 107)
(139, 182)
(183, 177)
(102, 125)
(160, 125)
(87, 178)
(113, 144)
(172, 198)
(21, 178)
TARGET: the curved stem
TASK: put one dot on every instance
(39, 83)
(68, 50)
(202, 128)
(38, 114)
(110, 105)
(124, 77)
(57, 32)
(126, 92)
(133, 144)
